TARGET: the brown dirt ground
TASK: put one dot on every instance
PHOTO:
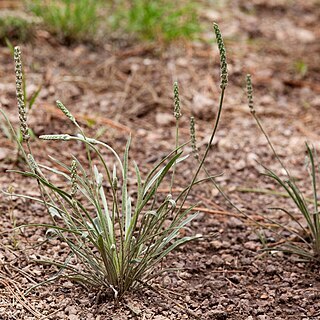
(129, 88)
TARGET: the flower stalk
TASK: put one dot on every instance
(20, 95)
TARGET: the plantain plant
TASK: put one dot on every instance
(305, 240)
(116, 236)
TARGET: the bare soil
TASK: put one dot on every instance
(128, 88)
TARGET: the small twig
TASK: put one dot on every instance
(190, 312)
(211, 211)
(135, 51)
(25, 274)
(232, 284)
(221, 212)
(227, 271)
(254, 218)
(210, 202)
(17, 294)
(91, 117)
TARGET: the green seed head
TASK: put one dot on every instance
(193, 138)
(64, 109)
(63, 137)
(250, 94)
(176, 100)
(20, 96)
(223, 57)
(73, 175)
(32, 163)
(115, 183)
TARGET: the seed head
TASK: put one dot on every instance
(20, 96)
(67, 113)
(176, 100)
(114, 178)
(73, 175)
(63, 137)
(115, 183)
(223, 57)
(32, 163)
(250, 94)
(193, 138)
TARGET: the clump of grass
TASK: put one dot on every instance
(306, 236)
(300, 68)
(84, 20)
(162, 20)
(16, 26)
(116, 236)
(68, 19)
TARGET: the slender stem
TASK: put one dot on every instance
(216, 185)
(207, 149)
(177, 145)
(270, 143)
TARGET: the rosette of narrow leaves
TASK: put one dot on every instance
(120, 240)
(306, 234)
(117, 235)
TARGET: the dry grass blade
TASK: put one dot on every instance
(18, 295)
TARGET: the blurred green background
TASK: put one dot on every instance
(96, 20)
